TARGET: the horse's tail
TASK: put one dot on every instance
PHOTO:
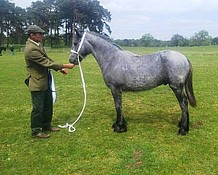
(189, 88)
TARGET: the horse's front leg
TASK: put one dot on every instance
(120, 125)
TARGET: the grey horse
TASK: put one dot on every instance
(126, 71)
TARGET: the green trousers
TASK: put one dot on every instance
(42, 111)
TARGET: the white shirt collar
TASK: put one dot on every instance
(38, 44)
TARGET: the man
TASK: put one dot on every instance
(12, 49)
(38, 66)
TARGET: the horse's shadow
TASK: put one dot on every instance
(156, 116)
(152, 121)
(152, 117)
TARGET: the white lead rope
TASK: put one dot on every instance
(71, 127)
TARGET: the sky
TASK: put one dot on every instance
(131, 19)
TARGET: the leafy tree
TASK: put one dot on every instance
(6, 12)
(3, 13)
(95, 17)
(67, 10)
(147, 40)
(38, 14)
(201, 38)
(178, 40)
(215, 41)
(83, 14)
(17, 34)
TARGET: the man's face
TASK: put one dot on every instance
(37, 37)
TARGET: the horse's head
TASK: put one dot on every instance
(78, 49)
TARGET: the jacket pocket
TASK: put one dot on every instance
(38, 82)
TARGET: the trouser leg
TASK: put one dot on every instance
(37, 111)
(48, 110)
(41, 115)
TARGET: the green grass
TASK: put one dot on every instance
(151, 145)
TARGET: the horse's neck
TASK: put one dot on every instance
(103, 52)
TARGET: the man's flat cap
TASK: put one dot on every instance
(34, 29)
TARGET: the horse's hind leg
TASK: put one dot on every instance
(120, 124)
(183, 102)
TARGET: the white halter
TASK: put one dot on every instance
(71, 127)
(80, 45)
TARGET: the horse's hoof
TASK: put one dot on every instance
(182, 132)
(119, 128)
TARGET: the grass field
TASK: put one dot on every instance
(150, 147)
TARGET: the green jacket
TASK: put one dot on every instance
(38, 64)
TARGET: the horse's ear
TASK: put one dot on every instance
(78, 34)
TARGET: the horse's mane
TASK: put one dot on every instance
(106, 38)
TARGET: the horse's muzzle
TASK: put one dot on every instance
(73, 59)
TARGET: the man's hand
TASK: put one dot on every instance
(68, 66)
(63, 71)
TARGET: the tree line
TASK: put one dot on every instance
(201, 38)
(59, 18)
